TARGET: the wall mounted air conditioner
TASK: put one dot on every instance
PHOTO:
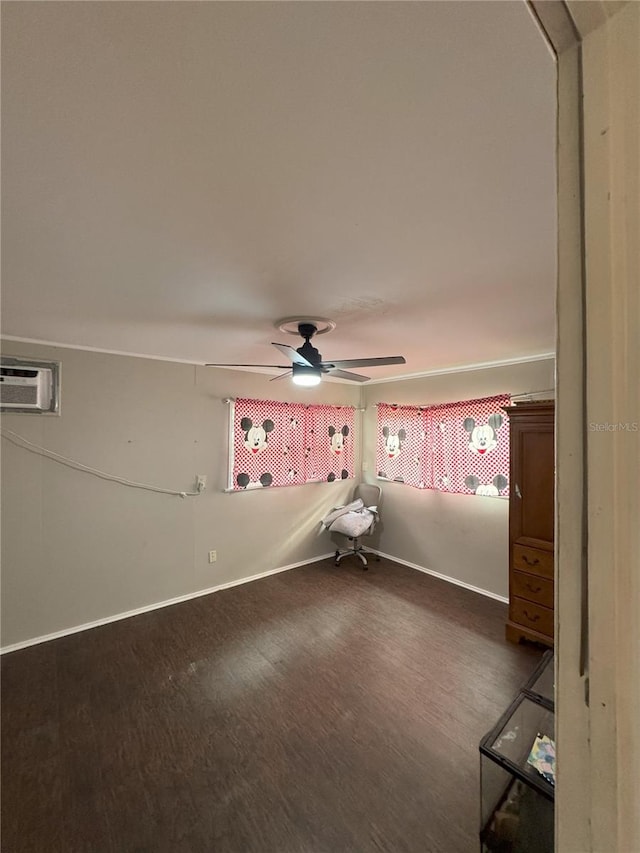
(29, 387)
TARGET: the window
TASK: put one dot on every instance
(284, 444)
(453, 447)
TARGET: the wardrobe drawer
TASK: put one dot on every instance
(533, 588)
(532, 616)
(533, 560)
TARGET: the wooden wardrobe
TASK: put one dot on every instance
(531, 522)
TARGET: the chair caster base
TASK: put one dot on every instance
(359, 553)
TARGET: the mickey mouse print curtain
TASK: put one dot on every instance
(283, 444)
(453, 447)
(470, 446)
(402, 445)
(329, 443)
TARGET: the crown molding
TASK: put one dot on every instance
(465, 368)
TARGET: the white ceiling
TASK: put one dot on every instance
(178, 176)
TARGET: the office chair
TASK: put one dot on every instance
(356, 519)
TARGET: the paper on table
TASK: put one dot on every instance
(543, 757)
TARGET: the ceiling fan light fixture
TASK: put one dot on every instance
(307, 364)
(306, 376)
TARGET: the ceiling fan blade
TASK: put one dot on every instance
(343, 374)
(282, 376)
(365, 362)
(279, 366)
(293, 354)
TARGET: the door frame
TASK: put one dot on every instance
(597, 442)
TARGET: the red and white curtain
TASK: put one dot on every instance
(284, 444)
(402, 445)
(453, 447)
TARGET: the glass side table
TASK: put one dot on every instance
(516, 800)
(541, 684)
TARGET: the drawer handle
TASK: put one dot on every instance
(531, 589)
(533, 618)
(529, 562)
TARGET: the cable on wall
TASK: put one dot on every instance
(22, 442)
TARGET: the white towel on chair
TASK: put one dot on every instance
(339, 511)
(351, 520)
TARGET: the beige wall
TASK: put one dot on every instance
(460, 536)
(76, 548)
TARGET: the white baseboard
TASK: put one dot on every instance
(442, 577)
(148, 607)
(14, 647)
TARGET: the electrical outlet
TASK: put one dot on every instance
(201, 483)
(213, 556)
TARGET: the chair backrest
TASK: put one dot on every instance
(369, 493)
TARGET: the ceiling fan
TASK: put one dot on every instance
(307, 364)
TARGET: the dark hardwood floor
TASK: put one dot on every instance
(321, 709)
